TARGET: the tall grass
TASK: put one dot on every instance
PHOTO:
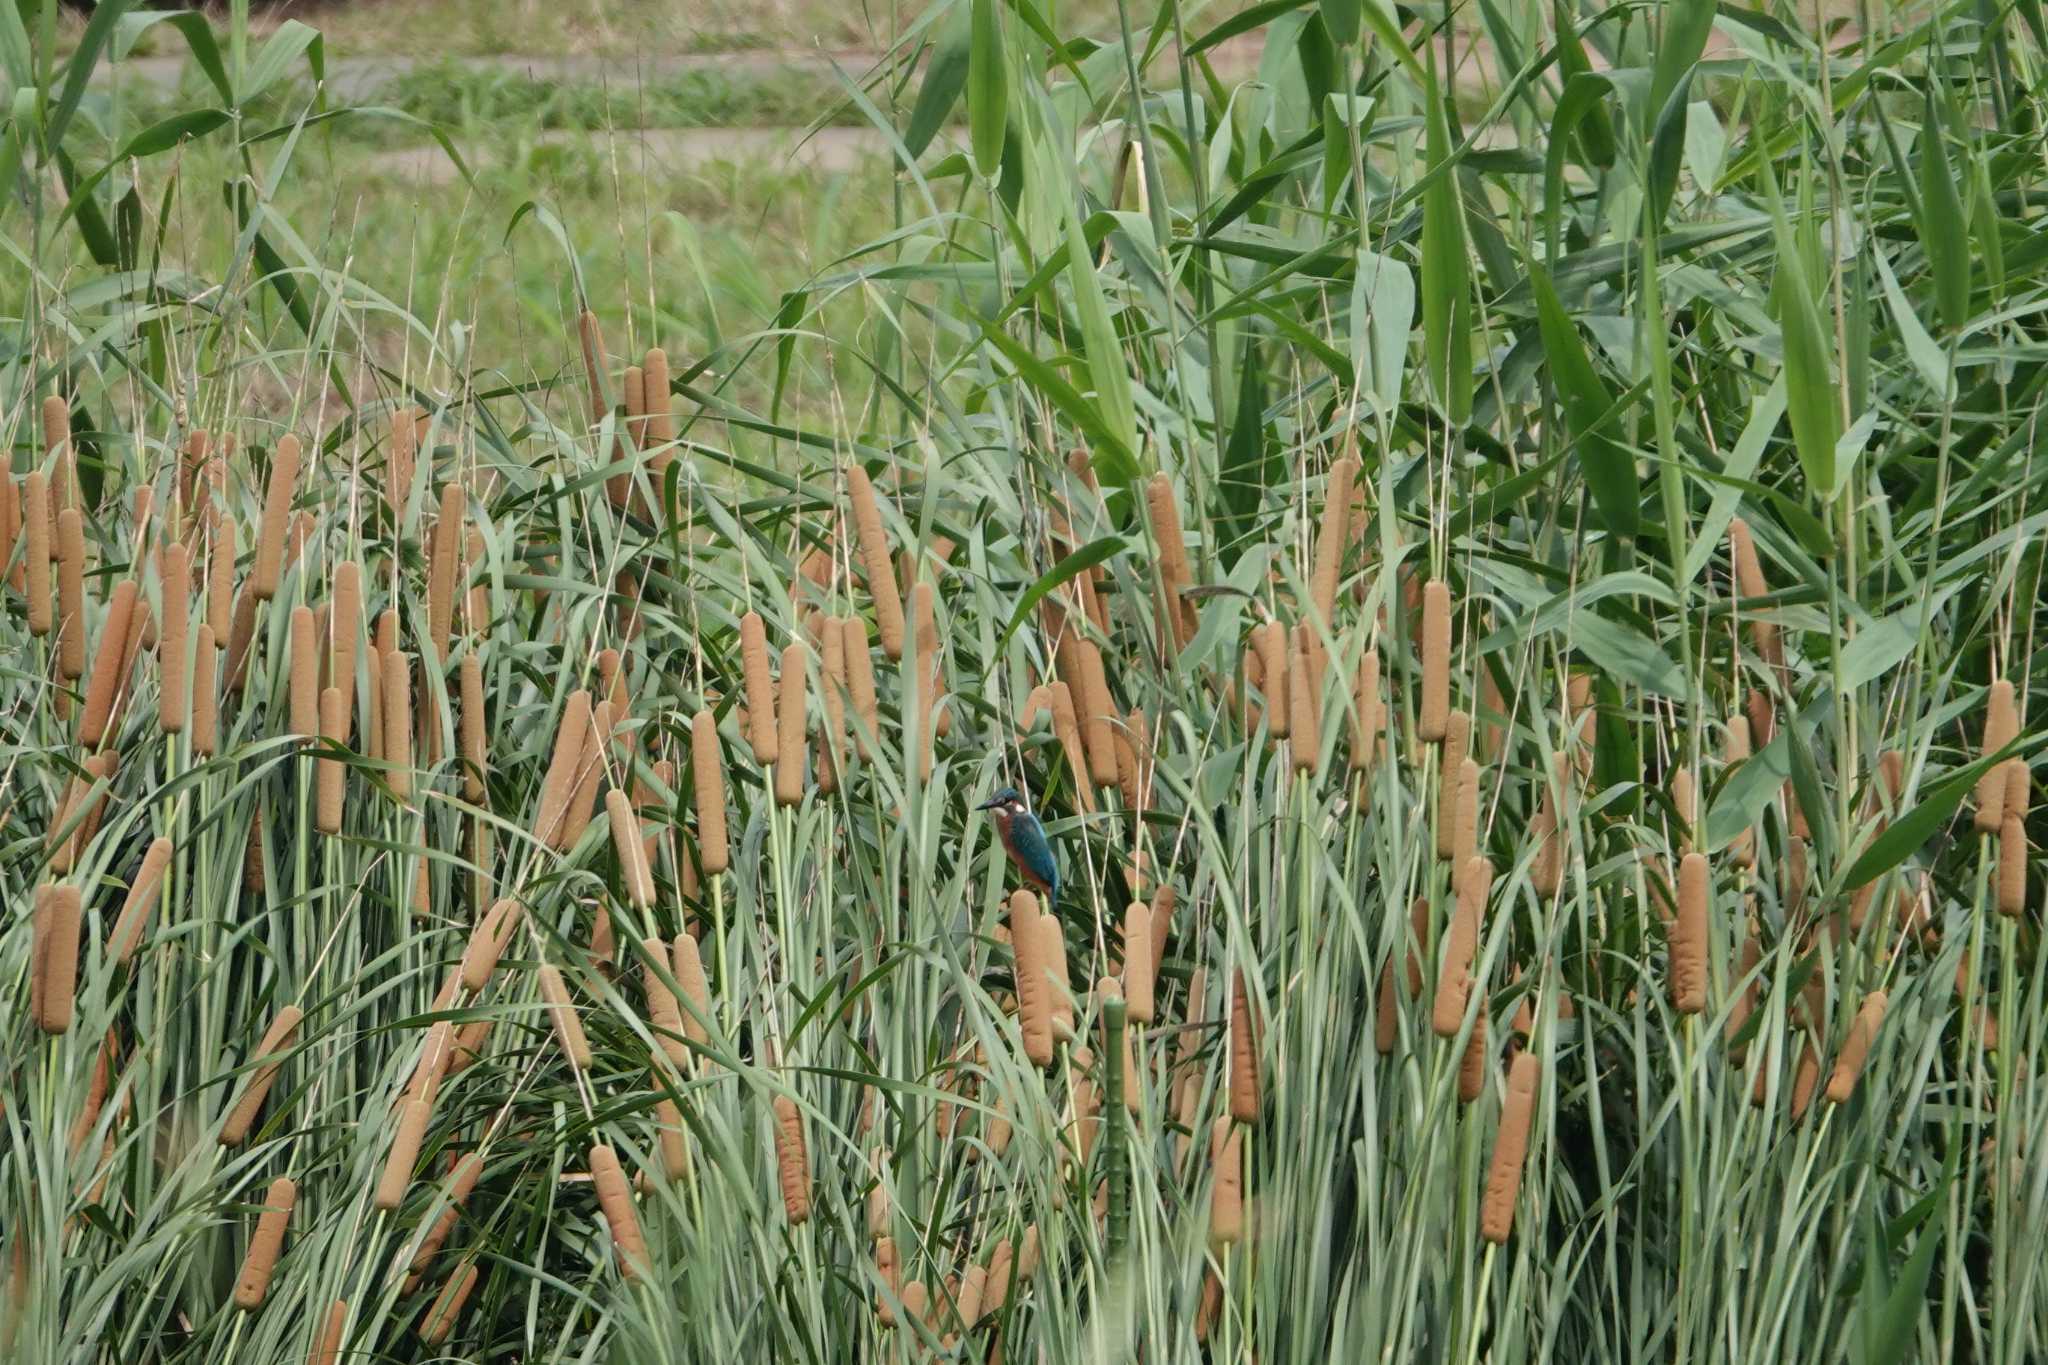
(1610, 430)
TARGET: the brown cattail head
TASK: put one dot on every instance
(471, 721)
(10, 532)
(1750, 583)
(1034, 990)
(1435, 710)
(707, 771)
(53, 957)
(562, 1013)
(241, 638)
(1368, 711)
(35, 518)
(327, 1345)
(694, 1006)
(205, 695)
(70, 593)
(791, 714)
(1454, 983)
(253, 1284)
(220, 575)
(1052, 948)
(1270, 640)
(792, 1161)
(345, 624)
(107, 677)
(2001, 727)
(175, 588)
(1856, 1047)
(1226, 1192)
(616, 1199)
(762, 734)
(305, 673)
(634, 877)
(2012, 866)
(404, 1153)
(1472, 1066)
(663, 1016)
(1510, 1149)
(1175, 577)
(1245, 1095)
(441, 569)
(487, 943)
(874, 554)
(329, 776)
(441, 1314)
(277, 507)
(141, 902)
(559, 786)
(395, 698)
(1332, 538)
(1141, 968)
(1689, 936)
(268, 1057)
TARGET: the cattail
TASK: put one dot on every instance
(327, 1345)
(269, 1056)
(559, 785)
(395, 697)
(10, 531)
(1457, 738)
(1454, 983)
(996, 1288)
(1226, 1193)
(404, 1154)
(1745, 999)
(253, 1284)
(35, 516)
(2001, 727)
(175, 588)
(1097, 715)
(1436, 660)
(346, 623)
(436, 1052)
(1856, 1047)
(1332, 538)
(792, 1161)
(53, 957)
(305, 673)
(562, 1013)
(832, 742)
(220, 576)
(1175, 577)
(1749, 583)
(1472, 1066)
(1510, 1148)
(634, 876)
(57, 445)
(2012, 866)
(1686, 799)
(400, 459)
(471, 721)
(469, 1046)
(205, 696)
(441, 572)
(860, 678)
(1465, 815)
(1244, 1054)
(1270, 639)
(141, 902)
(1689, 936)
(762, 734)
(1368, 711)
(1140, 966)
(487, 944)
(1052, 949)
(688, 965)
(1742, 849)
(668, 1126)
(1805, 1078)
(461, 1184)
(791, 718)
(874, 553)
(1303, 721)
(2018, 780)
(328, 773)
(707, 770)
(106, 665)
(241, 638)
(929, 681)
(663, 1016)
(616, 1200)
(70, 594)
(440, 1316)
(277, 506)
(1034, 991)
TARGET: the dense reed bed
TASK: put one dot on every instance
(1521, 643)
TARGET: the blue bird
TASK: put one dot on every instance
(1024, 840)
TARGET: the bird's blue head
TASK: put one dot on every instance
(1007, 800)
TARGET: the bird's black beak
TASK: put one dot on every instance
(989, 804)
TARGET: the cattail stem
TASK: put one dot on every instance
(269, 1056)
(1510, 1150)
(253, 1284)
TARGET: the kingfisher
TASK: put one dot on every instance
(1024, 840)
